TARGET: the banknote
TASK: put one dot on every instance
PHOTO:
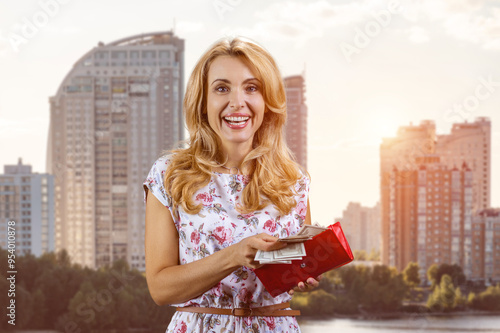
(306, 232)
(293, 251)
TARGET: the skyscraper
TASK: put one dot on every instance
(296, 125)
(486, 246)
(434, 206)
(27, 199)
(430, 215)
(470, 143)
(362, 226)
(113, 114)
(401, 152)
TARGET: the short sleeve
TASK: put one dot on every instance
(154, 182)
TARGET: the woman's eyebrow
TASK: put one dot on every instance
(223, 80)
(227, 81)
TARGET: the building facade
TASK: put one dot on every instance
(486, 246)
(401, 152)
(430, 215)
(296, 124)
(114, 113)
(361, 226)
(27, 198)
(470, 143)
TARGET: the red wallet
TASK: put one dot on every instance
(325, 251)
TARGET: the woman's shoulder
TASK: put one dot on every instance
(161, 164)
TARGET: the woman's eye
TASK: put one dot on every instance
(221, 89)
(252, 88)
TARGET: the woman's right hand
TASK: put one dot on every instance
(244, 251)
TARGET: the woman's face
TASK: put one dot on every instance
(235, 104)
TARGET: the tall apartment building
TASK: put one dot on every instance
(401, 152)
(296, 125)
(361, 226)
(114, 113)
(486, 246)
(27, 198)
(470, 143)
(430, 210)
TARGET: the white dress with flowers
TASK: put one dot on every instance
(219, 225)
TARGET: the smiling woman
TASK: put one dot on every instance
(213, 201)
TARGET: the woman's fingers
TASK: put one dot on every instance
(308, 285)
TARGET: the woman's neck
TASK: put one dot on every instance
(234, 156)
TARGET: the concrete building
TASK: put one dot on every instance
(430, 215)
(470, 143)
(296, 125)
(114, 113)
(486, 246)
(361, 226)
(27, 198)
(401, 152)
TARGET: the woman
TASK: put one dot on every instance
(233, 191)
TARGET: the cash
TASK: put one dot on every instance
(295, 249)
(306, 232)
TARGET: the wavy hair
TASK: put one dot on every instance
(273, 171)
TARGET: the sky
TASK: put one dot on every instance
(370, 66)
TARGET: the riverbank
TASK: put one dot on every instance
(401, 315)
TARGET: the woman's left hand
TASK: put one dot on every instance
(307, 285)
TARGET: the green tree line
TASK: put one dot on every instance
(52, 293)
(379, 289)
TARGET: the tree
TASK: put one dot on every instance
(411, 274)
(374, 255)
(432, 275)
(360, 255)
(454, 271)
(444, 295)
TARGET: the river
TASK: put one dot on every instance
(463, 324)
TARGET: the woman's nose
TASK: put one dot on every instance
(237, 100)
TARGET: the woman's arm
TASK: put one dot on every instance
(168, 281)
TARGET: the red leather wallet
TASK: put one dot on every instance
(325, 251)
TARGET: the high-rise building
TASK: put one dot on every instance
(470, 143)
(430, 215)
(486, 246)
(114, 113)
(401, 152)
(27, 199)
(361, 226)
(296, 124)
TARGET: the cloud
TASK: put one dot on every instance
(301, 21)
(418, 35)
(474, 21)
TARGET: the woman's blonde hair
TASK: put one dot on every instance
(273, 172)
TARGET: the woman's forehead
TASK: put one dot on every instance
(230, 68)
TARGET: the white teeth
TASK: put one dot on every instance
(235, 119)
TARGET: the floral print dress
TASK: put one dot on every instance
(219, 225)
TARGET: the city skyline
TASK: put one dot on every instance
(419, 62)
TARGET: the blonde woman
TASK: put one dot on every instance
(233, 191)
